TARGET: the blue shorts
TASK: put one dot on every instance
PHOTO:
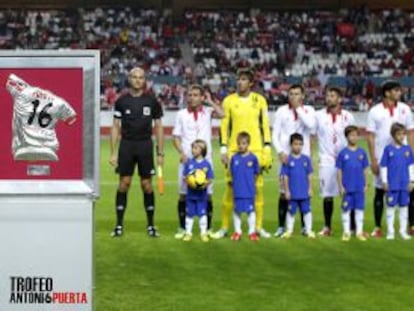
(196, 208)
(400, 198)
(244, 205)
(353, 200)
(303, 204)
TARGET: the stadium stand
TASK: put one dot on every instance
(354, 49)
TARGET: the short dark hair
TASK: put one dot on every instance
(202, 144)
(335, 89)
(390, 85)
(246, 71)
(396, 127)
(297, 86)
(197, 87)
(351, 128)
(296, 136)
(243, 135)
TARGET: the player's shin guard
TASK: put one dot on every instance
(307, 219)
(181, 213)
(209, 213)
(251, 220)
(290, 222)
(203, 224)
(237, 222)
(411, 210)
(328, 205)
(189, 221)
(359, 221)
(378, 206)
(390, 221)
(259, 202)
(149, 205)
(346, 222)
(121, 204)
(403, 215)
(283, 207)
(227, 208)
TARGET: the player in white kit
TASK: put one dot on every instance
(330, 125)
(35, 114)
(295, 117)
(191, 123)
(380, 119)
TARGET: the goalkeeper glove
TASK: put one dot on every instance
(266, 158)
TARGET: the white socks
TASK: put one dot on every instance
(237, 223)
(403, 219)
(203, 224)
(189, 222)
(251, 221)
(307, 219)
(390, 222)
(346, 222)
(359, 221)
(290, 222)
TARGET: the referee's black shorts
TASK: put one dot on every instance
(132, 153)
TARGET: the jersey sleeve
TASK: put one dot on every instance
(256, 166)
(178, 126)
(157, 112)
(339, 162)
(118, 109)
(66, 112)
(307, 116)
(384, 159)
(277, 129)
(186, 168)
(365, 162)
(225, 123)
(409, 122)
(309, 166)
(371, 122)
(410, 156)
(285, 170)
(264, 121)
(210, 173)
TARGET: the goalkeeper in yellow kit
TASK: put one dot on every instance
(245, 111)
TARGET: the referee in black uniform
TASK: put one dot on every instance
(134, 115)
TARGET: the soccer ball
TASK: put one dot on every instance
(197, 179)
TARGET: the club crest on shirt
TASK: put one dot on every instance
(146, 111)
(236, 162)
(305, 164)
(391, 154)
(191, 166)
(250, 163)
(292, 164)
(361, 157)
(407, 154)
(346, 157)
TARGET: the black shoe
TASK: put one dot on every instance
(118, 232)
(152, 232)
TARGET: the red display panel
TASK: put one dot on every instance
(66, 83)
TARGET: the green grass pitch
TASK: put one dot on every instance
(137, 273)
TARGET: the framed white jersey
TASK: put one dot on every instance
(36, 112)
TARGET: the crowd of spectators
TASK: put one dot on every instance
(310, 45)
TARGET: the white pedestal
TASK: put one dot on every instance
(46, 247)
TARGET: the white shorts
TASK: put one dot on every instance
(183, 185)
(328, 182)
